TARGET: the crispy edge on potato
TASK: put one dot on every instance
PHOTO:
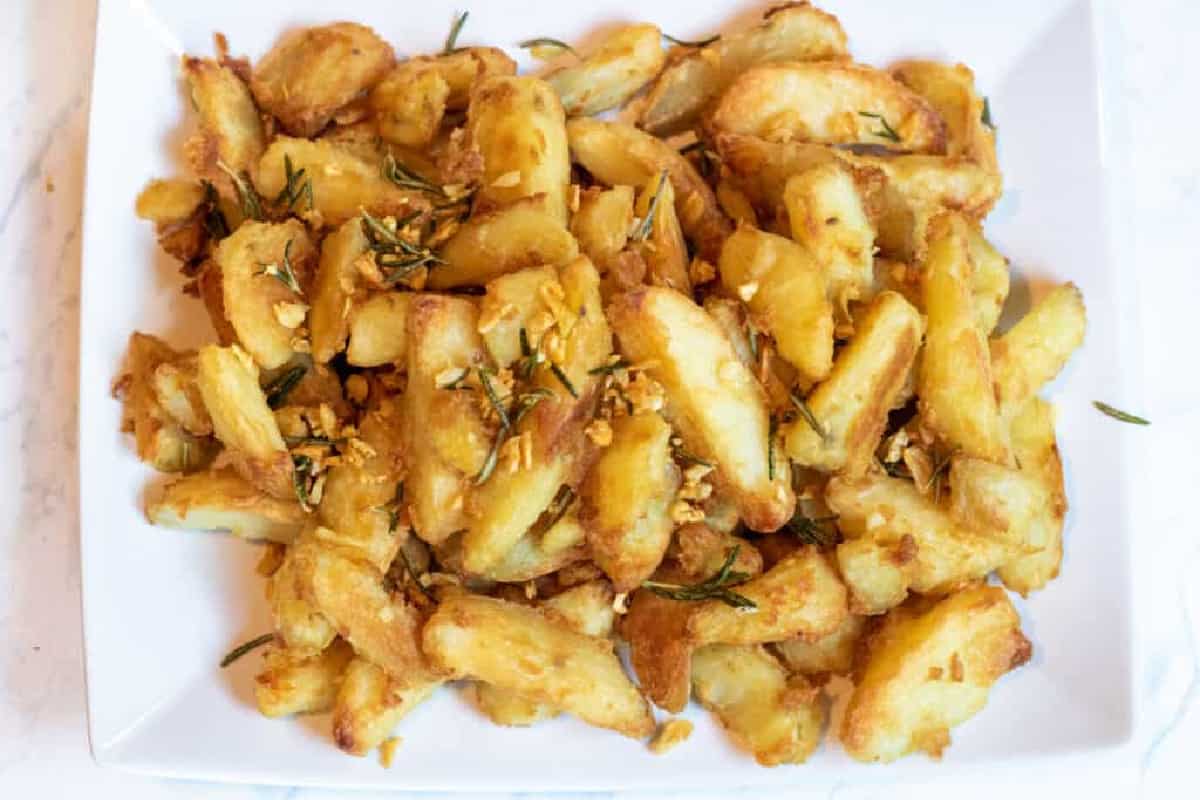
(601, 224)
(409, 103)
(178, 395)
(335, 290)
(371, 702)
(302, 627)
(231, 131)
(832, 653)
(301, 682)
(221, 500)
(950, 89)
(1035, 350)
(663, 248)
(463, 68)
(378, 330)
(925, 674)
(625, 61)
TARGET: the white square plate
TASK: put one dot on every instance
(161, 607)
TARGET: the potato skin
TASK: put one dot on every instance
(300, 683)
(310, 74)
(483, 638)
(223, 500)
(370, 703)
(824, 102)
(696, 77)
(712, 399)
(623, 63)
(931, 671)
(1034, 350)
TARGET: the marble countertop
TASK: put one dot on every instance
(1151, 123)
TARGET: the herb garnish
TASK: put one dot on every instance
(284, 273)
(563, 379)
(405, 178)
(888, 132)
(934, 481)
(608, 369)
(986, 116)
(808, 416)
(680, 454)
(248, 198)
(319, 441)
(545, 41)
(812, 530)
(713, 588)
(1118, 414)
(522, 405)
(697, 43)
(486, 381)
(303, 468)
(393, 253)
(295, 186)
(554, 512)
(245, 647)
(451, 45)
(643, 229)
(278, 389)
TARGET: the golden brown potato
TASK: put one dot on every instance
(302, 628)
(602, 223)
(712, 399)
(776, 717)
(700, 550)
(989, 281)
(762, 169)
(335, 289)
(177, 394)
(851, 406)
(736, 203)
(623, 63)
(828, 102)
(506, 707)
(785, 289)
(898, 539)
(370, 703)
(467, 65)
(950, 89)
(299, 682)
(382, 627)
(161, 441)
(344, 184)
(169, 201)
(662, 247)
(208, 286)
(258, 262)
(619, 154)
(516, 123)
(378, 330)
(221, 500)
(1036, 450)
(510, 305)
(522, 234)
(1001, 503)
(832, 653)
(529, 558)
(930, 672)
(587, 608)
(409, 103)
(696, 77)
(231, 132)
(801, 595)
(828, 216)
(660, 650)
(627, 500)
(1034, 350)
(487, 639)
(311, 73)
(957, 401)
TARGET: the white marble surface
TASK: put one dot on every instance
(45, 55)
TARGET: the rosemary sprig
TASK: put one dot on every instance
(1119, 415)
(485, 380)
(686, 457)
(712, 588)
(392, 253)
(558, 508)
(405, 178)
(215, 224)
(248, 197)
(697, 43)
(284, 273)
(608, 369)
(302, 470)
(563, 379)
(887, 132)
(808, 416)
(934, 481)
(278, 389)
(451, 45)
(522, 405)
(489, 463)
(245, 647)
(295, 186)
(986, 116)
(526, 402)
(528, 361)
(812, 530)
(546, 41)
(319, 441)
(643, 229)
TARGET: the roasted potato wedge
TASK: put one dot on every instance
(231, 137)
(484, 638)
(1034, 350)
(602, 223)
(509, 708)
(712, 399)
(465, 66)
(335, 290)
(302, 628)
(833, 653)
(221, 500)
(989, 281)
(625, 61)
(177, 394)
(696, 77)
(930, 672)
(1001, 503)
(378, 330)
(299, 682)
(409, 103)
(660, 649)
(371, 702)
(658, 238)
(776, 717)
(950, 89)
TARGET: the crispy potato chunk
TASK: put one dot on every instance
(335, 289)
(310, 74)
(957, 401)
(619, 154)
(660, 649)
(801, 595)
(602, 223)
(409, 103)
(463, 68)
(529, 558)
(378, 330)
(827, 215)
(178, 395)
(517, 236)
(510, 305)
(1036, 450)
(625, 61)
(950, 89)
(776, 717)
(1036, 348)
(343, 183)
(627, 498)
(257, 302)
(168, 201)
(162, 442)
(509, 708)
(989, 281)
(302, 628)
(208, 286)
(442, 340)
(930, 672)
(700, 550)
(1001, 503)
(228, 381)
(371, 702)
(663, 248)
(712, 399)
(516, 123)
(382, 627)
(785, 289)
(899, 540)
(696, 77)
(828, 102)
(851, 407)
(299, 682)
(519, 648)
(221, 500)
(231, 132)
(832, 653)
(762, 169)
